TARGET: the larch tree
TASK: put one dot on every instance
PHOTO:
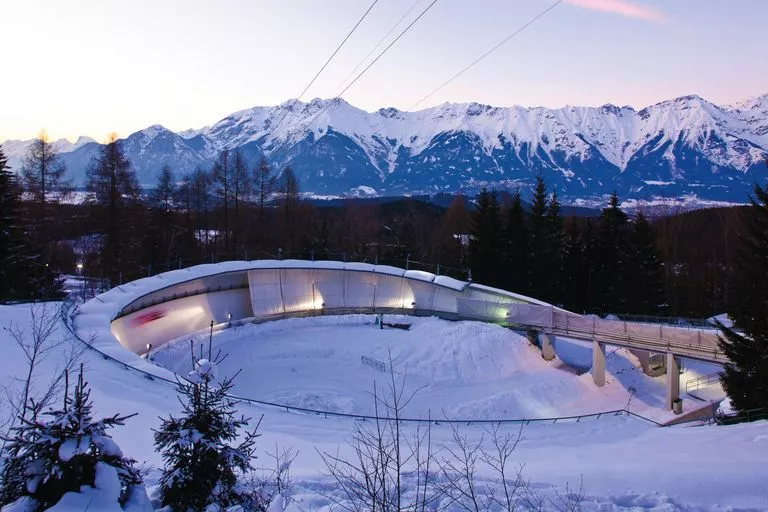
(745, 376)
(202, 201)
(114, 191)
(264, 185)
(45, 175)
(290, 205)
(160, 240)
(222, 178)
(241, 189)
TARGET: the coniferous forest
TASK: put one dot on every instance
(639, 262)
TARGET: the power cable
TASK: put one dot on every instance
(337, 49)
(483, 56)
(381, 54)
(376, 47)
(314, 78)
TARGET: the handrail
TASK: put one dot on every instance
(704, 380)
(66, 316)
(708, 351)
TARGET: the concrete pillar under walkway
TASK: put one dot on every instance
(673, 379)
(547, 346)
(598, 363)
(644, 357)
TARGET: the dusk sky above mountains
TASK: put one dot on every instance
(91, 67)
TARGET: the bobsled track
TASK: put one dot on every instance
(122, 323)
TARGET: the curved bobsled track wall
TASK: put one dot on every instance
(168, 306)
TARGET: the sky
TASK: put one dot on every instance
(94, 67)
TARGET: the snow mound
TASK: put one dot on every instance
(457, 369)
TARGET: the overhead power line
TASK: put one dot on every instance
(380, 55)
(351, 73)
(314, 78)
(337, 50)
(486, 54)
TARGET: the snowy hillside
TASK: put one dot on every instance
(685, 146)
(622, 463)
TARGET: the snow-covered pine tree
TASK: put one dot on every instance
(63, 451)
(205, 466)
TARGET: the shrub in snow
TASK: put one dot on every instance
(205, 467)
(67, 452)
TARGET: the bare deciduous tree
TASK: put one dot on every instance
(26, 395)
(386, 459)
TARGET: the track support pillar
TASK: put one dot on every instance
(547, 346)
(673, 380)
(598, 363)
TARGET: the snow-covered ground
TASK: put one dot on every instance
(625, 463)
(463, 370)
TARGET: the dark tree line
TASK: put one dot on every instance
(607, 265)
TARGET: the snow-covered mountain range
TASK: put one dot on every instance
(685, 146)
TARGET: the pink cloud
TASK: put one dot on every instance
(622, 7)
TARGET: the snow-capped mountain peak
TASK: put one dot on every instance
(336, 147)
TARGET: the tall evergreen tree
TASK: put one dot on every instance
(163, 195)
(745, 376)
(540, 258)
(450, 238)
(611, 265)
(555, 250)
(12, 250)
(591, 245)
(24, 274)
(575, 273)
(486, 244)
(645, 271)
(114, 196)
(516, 250)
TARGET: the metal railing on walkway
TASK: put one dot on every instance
(700, 382)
